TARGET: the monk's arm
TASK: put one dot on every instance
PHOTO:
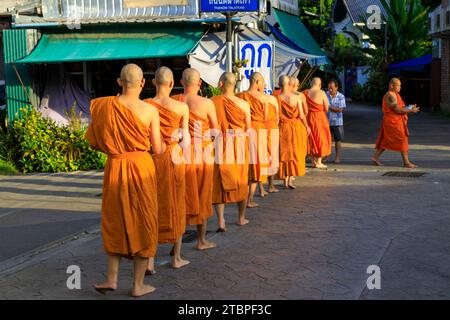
(158, 145)
(304, 104)
(392, 102)
(302, 115)
(277, 108)
(212, 116)
(185, 126)
(326, 103)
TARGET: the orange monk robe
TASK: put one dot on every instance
(260, 159)
(129, 203)
(394, 131)
(171, 178)
(230, 177)
(199, 174)
(293, 142)
(319, 143)
(273, 139)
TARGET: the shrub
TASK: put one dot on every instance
(211, 91)
(376, 87)
(38, 144)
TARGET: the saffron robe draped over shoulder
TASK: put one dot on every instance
(170, 172)
(394, 131)
(231, 167)
(129, 202)
(259, 159)
(273, 140)
(320, 138)
(293, 141)
(199, 173)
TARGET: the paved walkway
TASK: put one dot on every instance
(315, 242)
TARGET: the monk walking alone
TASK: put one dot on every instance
(199, 172)
(320, 137)
(170, 166)
(231, 175)
(122, 127)
(394, 131)
(294, 131)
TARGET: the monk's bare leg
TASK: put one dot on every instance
(202, 243)
(338, 147)
(319, 164)
(262, 192)
(150, 266)
(113, 273)
(406, 162)
(242, 206)
(272, 188)
(375, 158)
(139, 288)
(220, 211)
(252, 189)
(178, 261)
(291, 184)
(286, 182)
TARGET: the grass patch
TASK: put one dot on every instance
(7, 168)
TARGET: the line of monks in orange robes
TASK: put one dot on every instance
(204, 157)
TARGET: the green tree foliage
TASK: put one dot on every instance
(316, 15)
(407, 31)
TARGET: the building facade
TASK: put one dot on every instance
(439, 25)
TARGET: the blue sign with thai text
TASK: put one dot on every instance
(229, 5)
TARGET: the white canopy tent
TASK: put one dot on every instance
(209, 56)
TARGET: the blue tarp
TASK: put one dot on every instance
(412, 64)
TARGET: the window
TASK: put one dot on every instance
(447, 18)
(438, 21)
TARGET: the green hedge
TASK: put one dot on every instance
(38, 144)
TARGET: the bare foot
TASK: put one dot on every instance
(150, 272)
(376, 162)
(273, 190)
(320, 166)
(410, 165)
(105, 287)
(179, 263)
(142, 291)
(337, 161)
(252, 205)
(205, 245)
(263, 194)
(291, 186)
(243, 222)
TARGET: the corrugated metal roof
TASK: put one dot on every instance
(103, 9)
(357, 9)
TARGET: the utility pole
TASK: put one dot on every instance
(229, 41)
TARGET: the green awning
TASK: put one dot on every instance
(293, 27)
(108, 44)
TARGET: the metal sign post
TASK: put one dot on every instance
(229, 41)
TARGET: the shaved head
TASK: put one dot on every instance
(255, 76)
(163, 76)
(394, 81)
(284, 81)
(191, 77)
(293, 81)
(228, 79)
(131, 76)
(316, 82)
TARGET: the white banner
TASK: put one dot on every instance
(260, 56)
